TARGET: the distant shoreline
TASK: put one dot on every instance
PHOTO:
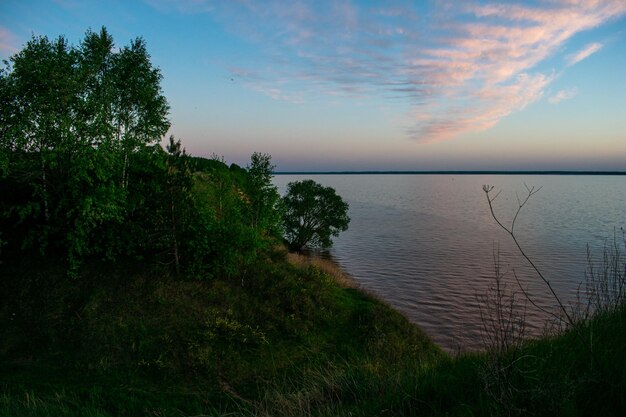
(607, 173)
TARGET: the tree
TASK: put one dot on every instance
(39, 97)
(313, 215)
(178, 185)
(263, 194)
(140, 111)
(72, 119)
(223, 242)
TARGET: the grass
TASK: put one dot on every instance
(296, 339)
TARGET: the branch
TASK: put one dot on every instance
(511, 231)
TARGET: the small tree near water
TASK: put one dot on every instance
(313, 215)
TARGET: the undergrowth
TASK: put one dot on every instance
(289, 342)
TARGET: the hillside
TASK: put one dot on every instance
(289, 341)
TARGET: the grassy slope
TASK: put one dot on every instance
(289, 341)
(133, 340)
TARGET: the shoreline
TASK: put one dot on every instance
(326, 265)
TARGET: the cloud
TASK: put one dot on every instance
(489, 105)
(563, 95)
(8, 42)
(70, 4)
(182, 6)
(458, 68)
(584, 53)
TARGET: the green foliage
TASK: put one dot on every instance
(82, 174)
(223, 242)
(313, 215)
(265, 207)
(178, 186)
(73, 120)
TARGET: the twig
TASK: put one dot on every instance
(511, 231)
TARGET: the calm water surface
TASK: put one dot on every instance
(425, 243)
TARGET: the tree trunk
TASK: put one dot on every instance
(44, 184)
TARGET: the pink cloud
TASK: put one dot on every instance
(584, 53)
(494, 56)
(488, 106)
(562, 95)
(8, 42)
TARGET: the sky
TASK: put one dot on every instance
(373, 85)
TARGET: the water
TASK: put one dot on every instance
(425, 243)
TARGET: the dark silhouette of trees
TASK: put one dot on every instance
(313, 215)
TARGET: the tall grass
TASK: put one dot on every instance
(605, 280)
(565, 372)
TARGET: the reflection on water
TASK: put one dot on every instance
(424, 243)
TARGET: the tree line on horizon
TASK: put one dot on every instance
(83, 174)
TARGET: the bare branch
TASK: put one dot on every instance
(528, 297)
(531, 191)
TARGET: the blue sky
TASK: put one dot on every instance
(374, 85)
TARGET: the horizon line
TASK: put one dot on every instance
(452, 172)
